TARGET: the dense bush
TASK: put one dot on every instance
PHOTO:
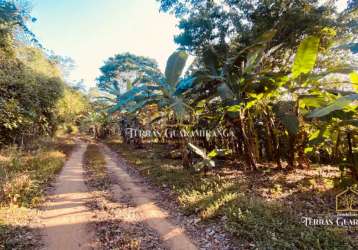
(34, 99)
(28, 100)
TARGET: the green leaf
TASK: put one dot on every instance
(211, 60)
(129, 85)
(178, 106)
(308, 150)
(254, 57)
(219, 152)
(198, 151)
(175, 66)
(353, 122)
(354, 79)
(290, 122)
(225, 92)
(213, 153)
(318, 136)
(306, 56)
(250, 104)
(338, 104)
(234, 108)
(184, 85)
(202, 153)
(267, 36)
(314, 135)
(284, 111)
(311, 101)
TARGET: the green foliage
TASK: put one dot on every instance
(354, 79)
(206, 159)
(285, 112)
(248, 85)
(175, 66)
(150, 86)
(276, 73)
(72, 106)
(306, 56)
(38, 62)
(338, 104)
(28, 97)
(30, 83)
(125, 70)
(206, 22)
(13, 15)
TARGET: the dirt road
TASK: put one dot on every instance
(173, 236)
(65, 216)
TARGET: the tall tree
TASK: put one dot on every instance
(121, 72)
(206, 22)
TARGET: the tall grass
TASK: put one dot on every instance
(24, 173)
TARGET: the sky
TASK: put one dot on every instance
(90, 31)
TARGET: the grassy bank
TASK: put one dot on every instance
(262, 210)
(24, 177)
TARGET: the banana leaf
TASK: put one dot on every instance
(338, 104)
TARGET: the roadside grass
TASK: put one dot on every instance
(64, 144)
(256, 222)
(24, 176)
(95, 166)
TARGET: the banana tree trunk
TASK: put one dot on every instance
(302, 159)
(273, 140)
(336, 148)
(249, 154)
(269, 144)
(186, 160)
(353, 162)
(291, 151)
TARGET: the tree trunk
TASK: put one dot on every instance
(353, 167)
(303, 161)
(291, 151)
(249, 151)
(275, 142)
(336, 148)
(269, 144)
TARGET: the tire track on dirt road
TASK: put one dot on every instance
(173, 236)
(65, 218)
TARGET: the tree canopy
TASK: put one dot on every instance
(288, 64)
(32, 86)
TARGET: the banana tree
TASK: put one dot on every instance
(245, 81)
(338, 116)
(152, 87)
(235, 79)
(308, 86)
(165, 90)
